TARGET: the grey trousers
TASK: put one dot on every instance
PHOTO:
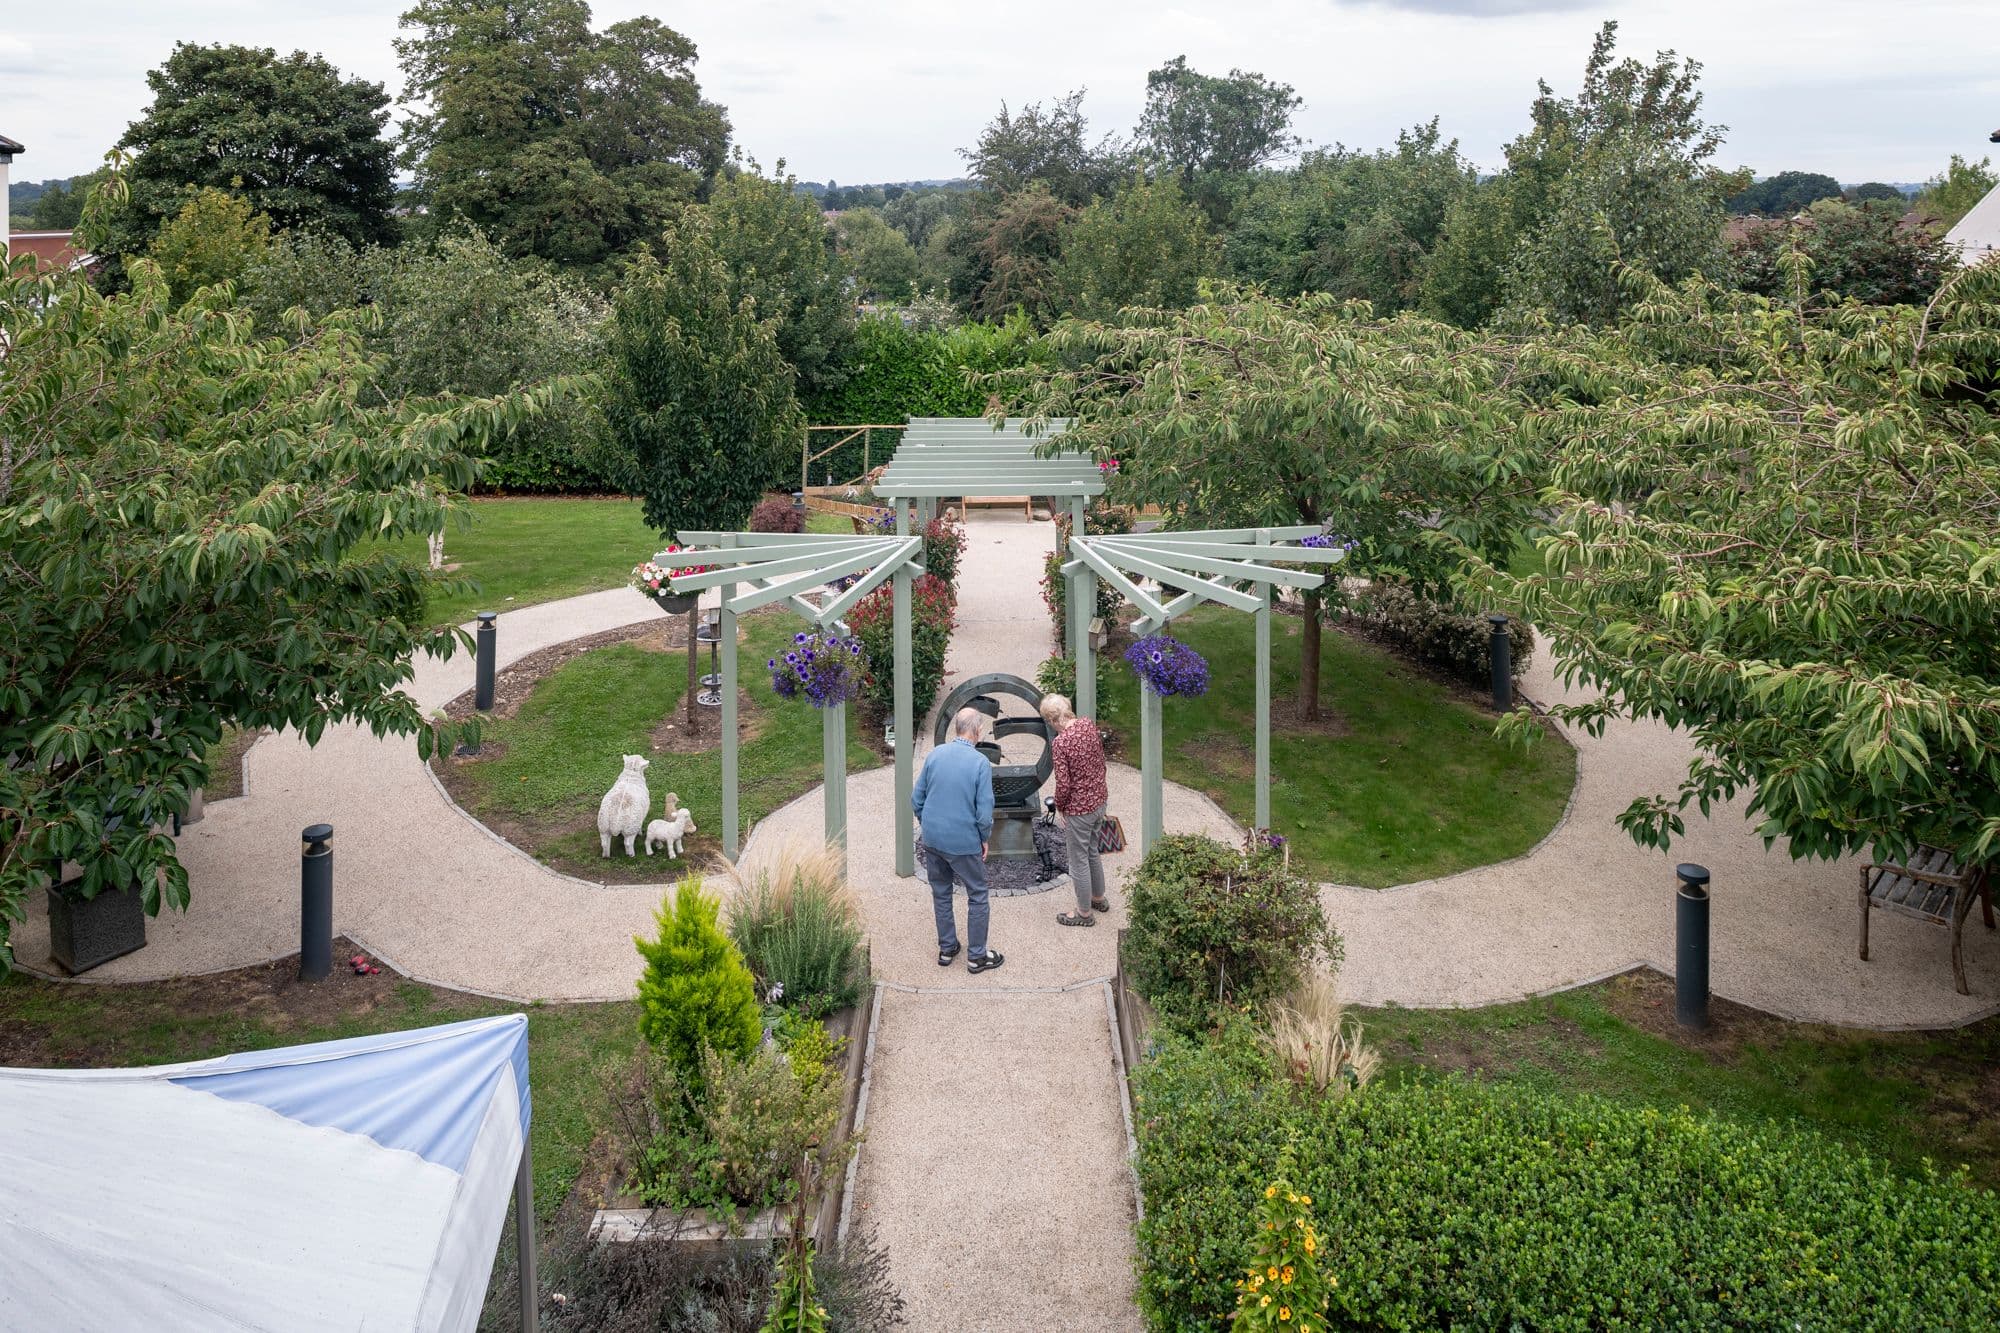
(1086, 866)
(970, 867)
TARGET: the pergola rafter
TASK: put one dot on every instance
(1234, 567)
(798, 569)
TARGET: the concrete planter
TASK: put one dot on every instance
(625, 1218)
(88, 932)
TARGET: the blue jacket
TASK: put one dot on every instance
(954, 799)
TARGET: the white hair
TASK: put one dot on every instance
(1055, 710)
(967, 723)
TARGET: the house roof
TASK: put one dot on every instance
(1977, 234)
(8, 147)
(51, 249)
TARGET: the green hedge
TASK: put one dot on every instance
(1458, 1205)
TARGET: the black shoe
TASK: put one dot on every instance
(946, 955)
(986, 962)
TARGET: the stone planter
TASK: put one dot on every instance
(676, 603)
(87, 932)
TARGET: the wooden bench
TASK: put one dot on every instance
(1932, 888)
(1027, 502)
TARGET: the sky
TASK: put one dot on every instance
(888, 90)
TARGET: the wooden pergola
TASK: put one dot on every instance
(1233, 567)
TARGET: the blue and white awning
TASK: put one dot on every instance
(358, 1184)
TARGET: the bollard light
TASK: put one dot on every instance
(1502, 651)
(1691, 946)
(316, 903)
(487, 639)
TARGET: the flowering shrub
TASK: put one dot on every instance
(1284, 1289)
(1217, 931)
(1167, 666)
(873, 621)
(656, 581)
(821, 665)
(944, 543)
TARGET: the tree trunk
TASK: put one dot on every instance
(694, 659)
(1309, 658)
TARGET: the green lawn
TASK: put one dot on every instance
(559, 753)
(1407, 783)
(526, 549)
(1900, 1096)
(68, 1025)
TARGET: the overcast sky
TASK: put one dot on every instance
(889, 89)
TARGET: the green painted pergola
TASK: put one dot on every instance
(1233, 567)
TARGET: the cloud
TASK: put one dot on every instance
(16, 56)
(1481, 9)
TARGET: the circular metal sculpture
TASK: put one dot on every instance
(1015, 786)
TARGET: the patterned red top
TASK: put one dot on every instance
(1079, 755)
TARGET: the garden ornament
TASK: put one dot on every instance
(622, 812)
(670, 831)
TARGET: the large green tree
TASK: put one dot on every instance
(884, 263)
(1014, 250)
(1046, 144)
(300, 143)
(553, 139)
(190, 525)
(1864, 252)
(214, 238)
(1248, 411)
(1148, 245)
(1776, 527)
(781, 254)
(1195, 123)
(699, 397)
(1785, 193)
(1950, 195)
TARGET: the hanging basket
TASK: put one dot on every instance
(676, 603)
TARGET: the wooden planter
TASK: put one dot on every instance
(625, 1218)
(1134, 1015)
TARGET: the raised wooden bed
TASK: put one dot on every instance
(1134, 1016)
(625, 1218)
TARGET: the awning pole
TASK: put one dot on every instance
(524, 1241)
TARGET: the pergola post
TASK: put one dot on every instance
(726, 630)
(906, 729)
(833, 751)
(1086, 660)
(1151, 817)
(1079, 622)
(1264, 696)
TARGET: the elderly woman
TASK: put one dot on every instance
(1080, 798)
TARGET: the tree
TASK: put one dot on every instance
(699, 398)
(60, 207)
(555, 140)
(1047, 146)
(696, 993)
(780, 254)
(1247, 411)
(1950, 195)
(1465, 272)
(1015, 250)
(298, 142)
(191, 525)
(918, 213)
(1865, 253)
(213, 239)
(1774, 526)
(1873, 190)
(883, 261)
(1146, 246)
(1360, 225)
(1786, 193)
(1195, 123)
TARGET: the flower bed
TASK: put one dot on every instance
(873, 620)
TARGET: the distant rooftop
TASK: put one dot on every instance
(8, 148)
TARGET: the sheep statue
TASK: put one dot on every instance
(622, 812)
(672, 830)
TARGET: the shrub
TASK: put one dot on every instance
(944, 543)
(1442, 635)
(761, 1116)
(1471, 1206)
(1216, 930)
(873, 622)
(776, 513)
(1057, 675)
(1315, 1040)
(695, 991)
(1099, 519)
(1284, 1289)
(793, 916)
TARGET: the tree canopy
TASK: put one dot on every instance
(1148, 245)
(1775, 526)
(1950, 195)
(214, 238)
(1865, 252)
(288, 134)
(1786, 193)
(1046, 144)
(553, 139)
(884, 263)
(1195, 122)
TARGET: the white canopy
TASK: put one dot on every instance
(357, 1184)
(1977, 234)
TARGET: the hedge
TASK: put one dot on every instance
(1462, 1205)
(1442, 635)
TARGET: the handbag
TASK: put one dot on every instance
(1110, 835)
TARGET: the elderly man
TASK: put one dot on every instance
(954, 804)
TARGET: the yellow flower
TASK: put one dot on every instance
(1270, 1191)
(1271, 1272)
(1264, 1302)
(1287, 1274)
(1285, 1313)
(1310, 1247)
(1256, 1281)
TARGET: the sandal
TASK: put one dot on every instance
(986, 962)
(1100, 904)
(946, 955)
(1074, 919)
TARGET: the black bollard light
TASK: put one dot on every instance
(1502, 650)
(488, 637)
(1691, 946)
(316, 904)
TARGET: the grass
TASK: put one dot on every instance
(526, 549)
(1902, 1097)
(67, 1025)
(1406, 782)
(560, 752)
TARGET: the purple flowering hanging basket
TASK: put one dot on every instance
(1167, 666)
(822, 666)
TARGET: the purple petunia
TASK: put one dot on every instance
(818, 669)
(1168, 666)
(1326, 541)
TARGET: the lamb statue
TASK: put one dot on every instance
(671, 830)
(622, 812)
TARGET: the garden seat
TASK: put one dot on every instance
(1933, 888)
